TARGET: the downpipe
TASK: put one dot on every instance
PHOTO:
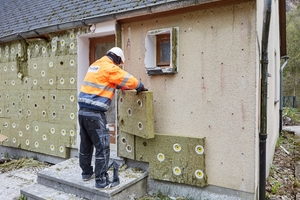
(286, 58)
(264, 99)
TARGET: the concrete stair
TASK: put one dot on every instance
(63, 181)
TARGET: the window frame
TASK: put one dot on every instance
(159, 39)
(153, 67)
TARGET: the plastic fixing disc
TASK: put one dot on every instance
(63, 132)
(129, 148)
(199, 174)
(72, 116)
(199, 149)
(176, 171)
(20, 133)
(160, 157)
(140, 125)
(72, 98)
(44, 137)
(72, 133)
(177, 147)
(61, 149)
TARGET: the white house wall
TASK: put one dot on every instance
(214, 94)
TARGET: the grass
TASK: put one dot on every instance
(163, 196)
(293, 113)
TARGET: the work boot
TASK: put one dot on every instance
(100, 183)
(87, 177)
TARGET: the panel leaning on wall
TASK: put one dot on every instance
(38, 94)
(172, 158)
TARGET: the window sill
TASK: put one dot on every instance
(160, 71)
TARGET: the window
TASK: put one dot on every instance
(161, 51)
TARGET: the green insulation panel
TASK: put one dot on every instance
(173, 158)
(38, 93)
(126, 145)
(135, 113)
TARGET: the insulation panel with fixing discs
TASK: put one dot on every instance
(5, 129)
(135, 113)
(126, 145)
(174, 158)
(24, 132)
(30, 72)
(15, 104)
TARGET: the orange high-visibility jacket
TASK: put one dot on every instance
(100, 82)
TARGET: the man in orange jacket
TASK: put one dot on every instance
(94, 99)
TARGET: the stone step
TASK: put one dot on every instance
(41, 192)
(66, 178)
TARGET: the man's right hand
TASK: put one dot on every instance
(141, 88)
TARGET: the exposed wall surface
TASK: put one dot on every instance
(38, 92)
(214, 93)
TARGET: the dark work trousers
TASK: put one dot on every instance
(93, 133)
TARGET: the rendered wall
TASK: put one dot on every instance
(38, 93)
(214, 93)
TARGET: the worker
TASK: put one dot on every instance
(103, 77)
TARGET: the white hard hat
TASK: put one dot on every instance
(119, 52)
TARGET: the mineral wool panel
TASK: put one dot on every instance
(126, 145)
(56, 149)
(13, 139)
(42, 74)
(36, 66)
(37, 49)
(65, 133)
(64, 97)
(2, 103)
(15, 104)
(37, 103)
(174, 158)
(44, 137)
(5, 129)
(136, 115)
(67, 66)
(15, 126)
(49, 148)
(56, 114)
(66, 81)
(62, 134)
(25, 133)
(145, 149)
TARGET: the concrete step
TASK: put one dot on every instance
(65, 179)
(41, 192)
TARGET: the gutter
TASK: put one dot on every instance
(264, 99)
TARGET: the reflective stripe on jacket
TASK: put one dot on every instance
(100, 83)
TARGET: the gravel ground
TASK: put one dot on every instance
(16, 174)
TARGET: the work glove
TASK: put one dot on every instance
(122, 88)
(141, 88)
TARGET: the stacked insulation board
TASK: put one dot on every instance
(38, 94)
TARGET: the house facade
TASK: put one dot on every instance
(200, 59)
